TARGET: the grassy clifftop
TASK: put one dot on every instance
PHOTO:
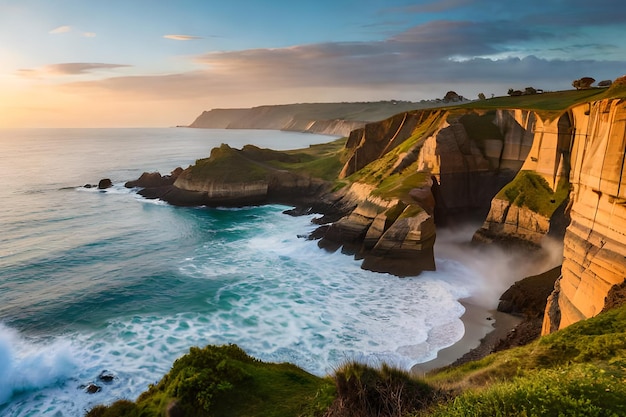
(251, 163)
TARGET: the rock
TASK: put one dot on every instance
(528, 297)
(87, 186)
(106, 376)
(174, 409)
(509, 223)
(104, 184)
(92, 388)
(154, 179)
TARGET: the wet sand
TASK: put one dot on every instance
(483, 329)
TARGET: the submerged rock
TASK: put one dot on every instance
(106, 376)
(91, 388)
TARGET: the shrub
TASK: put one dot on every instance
(363, 391)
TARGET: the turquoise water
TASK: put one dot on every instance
(93, 280)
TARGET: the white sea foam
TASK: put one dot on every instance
(280, 298)
(25, 366)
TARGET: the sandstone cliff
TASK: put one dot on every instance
(594, 256)
(411, 171)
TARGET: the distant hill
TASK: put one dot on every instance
(323, 118)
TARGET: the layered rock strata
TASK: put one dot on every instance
(594, 255)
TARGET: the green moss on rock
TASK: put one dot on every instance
(529, 189)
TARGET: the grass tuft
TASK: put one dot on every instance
(364, 391)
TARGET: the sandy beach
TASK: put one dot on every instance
(483, 329)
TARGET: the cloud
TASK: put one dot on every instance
(67, 29)
(70, 68)
(73, 68)
(181, 37)
(420, 62)
(60, 29)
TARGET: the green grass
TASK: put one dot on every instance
(548, 105)
(553, 101)
(323, 161)
(529, 189)
(252, 163)
(228, 165)
(225, 381)
(365, 391)
(581, 390)
(382, 171)
(399, 185)
(577, 371)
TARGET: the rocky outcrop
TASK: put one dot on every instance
(104, 183)
(376, 139)
(508, 223)
(154, 179)
(467, 179)
(594, 255)
(389, 234)
(233, 178)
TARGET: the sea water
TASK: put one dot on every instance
(94, 281)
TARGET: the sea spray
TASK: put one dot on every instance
(28, 367)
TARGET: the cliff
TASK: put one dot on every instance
(337, 119)
(547, 169)
(594, 255)
(529, 166)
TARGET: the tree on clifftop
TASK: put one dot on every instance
(583, 83)
(451, 96)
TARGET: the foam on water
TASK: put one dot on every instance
(279, 297)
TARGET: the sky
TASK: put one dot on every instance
(145, 63)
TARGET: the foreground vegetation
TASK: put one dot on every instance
(578, 371)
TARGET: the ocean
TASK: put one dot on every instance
(94, 281)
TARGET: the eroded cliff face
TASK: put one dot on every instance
(594, 255)
(442, 165)
(540, 149)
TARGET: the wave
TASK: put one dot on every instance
(28, 367)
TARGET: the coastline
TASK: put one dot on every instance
(483, 329)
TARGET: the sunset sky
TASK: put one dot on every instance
(83, 63)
